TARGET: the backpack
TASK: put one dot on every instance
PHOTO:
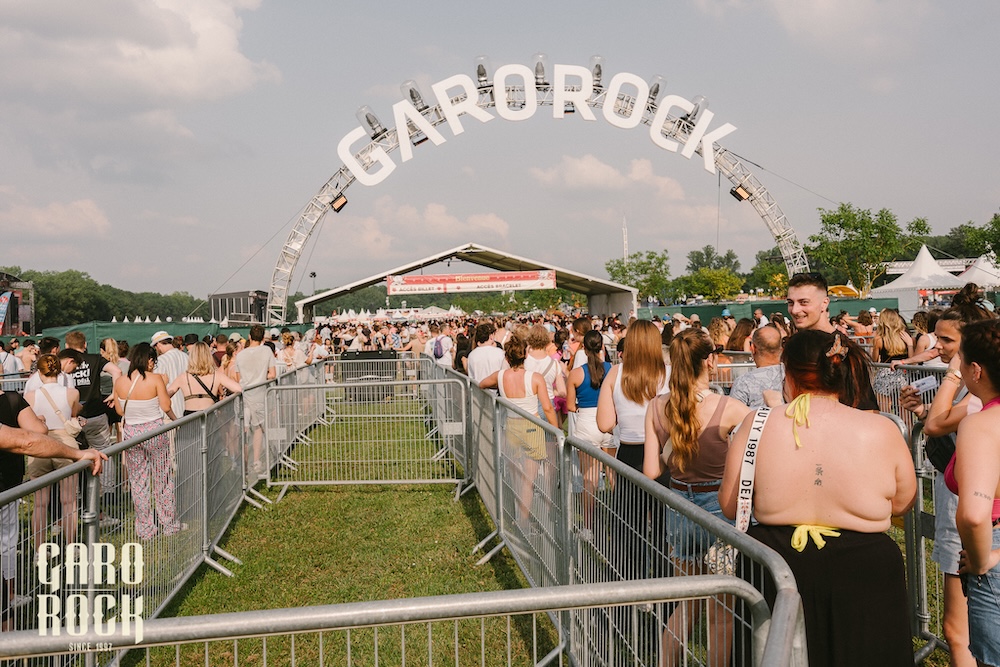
(438, 348)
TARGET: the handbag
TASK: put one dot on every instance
(71, 426)
(939, 449)
(721, 557)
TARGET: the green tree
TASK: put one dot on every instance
(958, 242)
(648, 272)
(762, 276)
(986, 239)
(859, 243)
(713, 284)
(709, 258)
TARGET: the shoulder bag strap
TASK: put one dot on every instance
(215, 399)
(52, 403)
(129, 394)
(744, 498)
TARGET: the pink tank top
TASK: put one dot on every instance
(949, 472)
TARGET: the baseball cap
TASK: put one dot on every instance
(159, 337)
(872, 311)
(235, 337)
(725, 312)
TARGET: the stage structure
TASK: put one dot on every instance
(604, 297)
(626, 101)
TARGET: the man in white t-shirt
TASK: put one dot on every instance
(441, 334)
(487, 358)
(255, 364)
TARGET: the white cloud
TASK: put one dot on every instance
(56, 221)
(857, 29)
(168, 51)
(101, 85)
(876, 35)
(398, 233)
(590, 173)
(585, 172)
(641, 171)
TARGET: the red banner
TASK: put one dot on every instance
(449, 283)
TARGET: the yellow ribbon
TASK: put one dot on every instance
(803, 532)
(798, 410)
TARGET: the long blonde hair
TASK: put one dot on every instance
(689, 352)
(642, 370)
(109, 350)
(890, 329)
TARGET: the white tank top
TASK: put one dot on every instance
(45, 410)
(141, 411)
(529, 402)
(631, 415)
(547, 368)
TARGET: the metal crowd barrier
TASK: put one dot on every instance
(195, 473)
(572, 515)
(489, 628)
(532, 480)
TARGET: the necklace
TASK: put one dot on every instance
(701, 394)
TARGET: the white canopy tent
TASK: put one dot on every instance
(923, 274)
(983, 272)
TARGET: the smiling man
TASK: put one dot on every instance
(809, 309)
(809, 303)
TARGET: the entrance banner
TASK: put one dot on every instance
(450, 283)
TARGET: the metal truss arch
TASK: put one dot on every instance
(677, 128)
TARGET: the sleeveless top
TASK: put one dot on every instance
(631, 415)
(203, 394)
(529, 402)
(141, 410)
(710, 463)
(45, 410)
(586, 396)
(547, 368)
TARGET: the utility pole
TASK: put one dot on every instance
(625, 240)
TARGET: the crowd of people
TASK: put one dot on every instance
(830, 472)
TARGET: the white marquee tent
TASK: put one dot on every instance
(983, 272)
(923, 274)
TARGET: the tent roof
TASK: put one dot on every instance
(482, 256)
(983, 272)
(924, 273)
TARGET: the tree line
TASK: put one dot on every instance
(65, 298)
(853, 245)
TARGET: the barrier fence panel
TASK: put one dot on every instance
(531, 507)
(491, 628)
(563, 524)
(482, 422)
(624, 526)
(377, 432)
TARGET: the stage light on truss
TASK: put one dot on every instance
(484, 71)
(540, 66)
(412, 93)
(655, 88)
(597, 71)
(369, 120)
(339, 202)
(740, 192)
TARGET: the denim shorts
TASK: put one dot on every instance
(947, 543)
(688, 540)
(984, 610)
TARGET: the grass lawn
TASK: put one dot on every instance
(349, 544)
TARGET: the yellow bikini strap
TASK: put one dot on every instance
(802, 534)
(798, 410)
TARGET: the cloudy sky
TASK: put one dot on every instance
(171, 144)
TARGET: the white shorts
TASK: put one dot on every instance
(585, 429)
